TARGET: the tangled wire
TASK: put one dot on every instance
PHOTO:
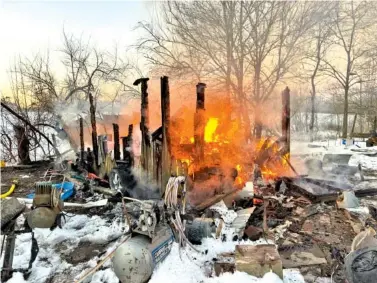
(177, 208)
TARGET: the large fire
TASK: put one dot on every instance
(224, 145)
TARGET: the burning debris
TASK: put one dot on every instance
(198, 197)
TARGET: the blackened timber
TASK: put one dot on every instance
(127, 147)
(166, 142)
(144, 126)
(286, 117)
(116, 142)
(199, 122)
(82, 147)
(93, 122)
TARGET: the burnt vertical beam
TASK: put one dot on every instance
(199, 122)
(166, 142)
(116, 142)
(127, 147)
(144, 127)
(82, 146)
(93, 123)
(286, 118)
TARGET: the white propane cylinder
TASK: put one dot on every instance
(134, 260)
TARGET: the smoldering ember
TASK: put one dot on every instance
(217, 142)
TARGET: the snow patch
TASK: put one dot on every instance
(188, 266)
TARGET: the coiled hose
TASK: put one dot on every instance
(11, 190)
(171, 201)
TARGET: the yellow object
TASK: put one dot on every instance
(11, 190)
(2, 163)
(107, 166)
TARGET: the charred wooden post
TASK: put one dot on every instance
(146, 154)
(166, 143)
(156, 155)
(127, 147)
(199, 122)
(116, 142)
(286, 118)
(93, 122)
(82, 148)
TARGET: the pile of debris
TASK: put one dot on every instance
(192, 201)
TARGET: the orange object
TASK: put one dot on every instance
(257, 201)
(92, 176)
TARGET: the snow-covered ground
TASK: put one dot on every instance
(183, 266)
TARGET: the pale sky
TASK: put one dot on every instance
(29, 27)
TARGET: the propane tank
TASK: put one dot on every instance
(135, 260)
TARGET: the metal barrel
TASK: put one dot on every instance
(199, 229)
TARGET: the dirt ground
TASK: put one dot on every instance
(26, 178)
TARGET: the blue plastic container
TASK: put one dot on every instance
(68, 190)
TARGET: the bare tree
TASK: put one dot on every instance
(352, 23)
(243, 46)
(90, 74)
(313, 62)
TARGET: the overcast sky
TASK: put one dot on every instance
(29, 27)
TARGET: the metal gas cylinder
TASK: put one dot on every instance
(134, 261)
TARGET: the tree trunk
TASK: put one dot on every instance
(312, 116)
(353, 125)
(93, 122)
(30, 125)
(23, 144)
(258, 103)
(345, 114)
